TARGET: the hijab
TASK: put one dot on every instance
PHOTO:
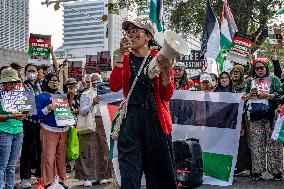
(229, 88)
(239, 84)
(47, 78)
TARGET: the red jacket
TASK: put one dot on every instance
(119, 79)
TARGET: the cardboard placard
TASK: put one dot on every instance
(17, 101)
(104, 61)
(62, 112)
(241, 49)
(38, 49)
(192, 61)
(91, 64)
(75, 70)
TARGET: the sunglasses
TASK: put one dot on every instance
(259, 68)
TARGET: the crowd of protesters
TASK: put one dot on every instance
(144, 143)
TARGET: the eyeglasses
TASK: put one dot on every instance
(224, 77)
(178, 69)
(259, 68)
(134, 31)
(54, 81)
(32, 71)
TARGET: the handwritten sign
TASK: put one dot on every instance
(17, 101)
(192, 61)
(241, 47)
(62, 112)
(38, 49)
(104, 61)
(91, 63)
(75, 70)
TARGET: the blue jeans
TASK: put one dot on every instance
(10, 147)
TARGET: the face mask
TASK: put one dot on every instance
(32, 76)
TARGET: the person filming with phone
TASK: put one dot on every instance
(144, 141)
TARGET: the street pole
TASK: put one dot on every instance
(110, 28)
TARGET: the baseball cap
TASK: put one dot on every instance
(142, 23)
(71, 81)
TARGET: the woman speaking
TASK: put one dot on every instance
(144, 142)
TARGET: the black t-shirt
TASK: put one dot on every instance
(143, 90)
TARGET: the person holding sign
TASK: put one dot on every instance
(11, 132)
(144, 142)
(31, 144)
(53, 137)
(94, 166)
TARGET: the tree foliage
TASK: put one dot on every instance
(252, 17)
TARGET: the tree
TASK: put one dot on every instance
(253, 17)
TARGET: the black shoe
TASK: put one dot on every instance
(256, 176)
(64, 185)
(68, 169)
(278, 177)
(46, 186)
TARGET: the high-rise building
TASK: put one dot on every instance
(84, 35)
(14, 24)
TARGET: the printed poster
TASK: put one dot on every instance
(104, 61)
(38, 49)
(75, 70)
(275, 37)
(17, 101)
(62, 112)
(91, 64)
(241, 49)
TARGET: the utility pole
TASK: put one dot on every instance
(48, 2)
(110, 28)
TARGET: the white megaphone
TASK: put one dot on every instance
(174, 45)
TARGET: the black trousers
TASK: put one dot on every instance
(143, 147)
(31, 150)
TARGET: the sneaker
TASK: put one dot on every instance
(64, 185)
(88, 183)
(256, 176)
(104, 181)
(47, 186)
(278, 177)
(25, 183)
(68, 169)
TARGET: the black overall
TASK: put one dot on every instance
(142, 144)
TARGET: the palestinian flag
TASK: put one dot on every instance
(156, 13)
(211, 34)
(278, 131)
(214, 119)
(228, 30)
(280, 11)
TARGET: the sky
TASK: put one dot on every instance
(46, 21)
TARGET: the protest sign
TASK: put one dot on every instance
(91, 64)
(62, 112)
(38, 49)
(75, 70)
(192, 61)
(104, 61)
(275, 37)
(241, 47)
(17, 101)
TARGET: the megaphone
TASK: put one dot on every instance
(174, 45)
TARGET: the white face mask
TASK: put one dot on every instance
(32, 76)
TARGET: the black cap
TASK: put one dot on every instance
(16, 66)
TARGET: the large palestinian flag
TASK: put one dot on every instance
(213, 118)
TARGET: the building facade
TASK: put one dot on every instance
(83, 35)
(14, 27)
